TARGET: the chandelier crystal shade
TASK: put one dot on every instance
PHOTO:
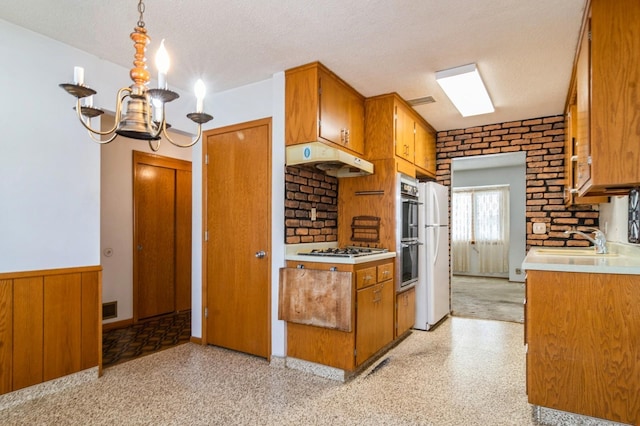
(144, 116)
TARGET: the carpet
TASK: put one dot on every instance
(487, 298)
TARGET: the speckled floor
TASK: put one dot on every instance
(465, 372)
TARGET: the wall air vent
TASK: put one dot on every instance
(421, 101)
(109, 310)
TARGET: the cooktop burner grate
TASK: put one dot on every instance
(344, 252)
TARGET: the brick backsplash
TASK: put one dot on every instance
(304, 190)
(543, 141)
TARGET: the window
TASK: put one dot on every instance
(480, 222)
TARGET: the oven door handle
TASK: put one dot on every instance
(414, 202)
(406, 244)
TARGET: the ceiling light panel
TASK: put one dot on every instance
(464, 87)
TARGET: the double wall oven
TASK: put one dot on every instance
(407, 242)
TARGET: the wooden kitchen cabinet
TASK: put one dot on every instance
(607, 73)
(320, 106)
(405, 311)
(404, 137)
(425, 150)
(571, 196)
(394, 130)
(583, 333)
(372, 314)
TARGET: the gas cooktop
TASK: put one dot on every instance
(344, 252)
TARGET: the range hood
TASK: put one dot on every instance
(332, 161)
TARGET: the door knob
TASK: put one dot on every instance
(261, 254)
(139, 247)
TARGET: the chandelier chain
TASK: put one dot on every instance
(141, 10)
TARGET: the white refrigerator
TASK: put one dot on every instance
(433, 287)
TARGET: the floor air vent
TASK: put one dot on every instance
(110, 310)
(377, 368)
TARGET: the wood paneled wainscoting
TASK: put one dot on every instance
(50, 325)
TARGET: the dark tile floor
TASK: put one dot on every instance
(145, 337)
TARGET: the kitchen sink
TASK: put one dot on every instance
(571, 252)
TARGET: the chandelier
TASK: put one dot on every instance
(145, 108)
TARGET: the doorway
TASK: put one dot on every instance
(161, 235)
(497, 170)
(506, 170)
(237, 270)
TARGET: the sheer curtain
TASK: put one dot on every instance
(461, 230)
(480, 222)
(492, 229)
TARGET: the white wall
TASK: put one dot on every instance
(614, 218)
(259, 100)
(49, 172)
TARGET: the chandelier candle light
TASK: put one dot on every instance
(145, 112)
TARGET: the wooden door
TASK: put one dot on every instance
(162, 235)
(238, 222)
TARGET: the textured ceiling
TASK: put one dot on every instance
(524, 49)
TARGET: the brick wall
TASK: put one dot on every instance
(543, 141)
(304, 190)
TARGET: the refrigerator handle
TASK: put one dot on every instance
(436, 206)
(436, 238)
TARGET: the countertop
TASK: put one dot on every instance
(622, 259)
(292, 251)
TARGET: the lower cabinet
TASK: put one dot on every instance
(372, 311)
(374, 319)
(49, 325)
(405, 311)
(583, 343)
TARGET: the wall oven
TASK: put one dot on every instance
(407, 232)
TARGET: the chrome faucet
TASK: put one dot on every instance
(599, 241)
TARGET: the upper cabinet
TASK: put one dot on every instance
(404, 133)
(394, 130)
(571, 172)
(425, 159)
(319, 106)
(606, 108)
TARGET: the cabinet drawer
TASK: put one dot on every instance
(365, 277)
(385, 272)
